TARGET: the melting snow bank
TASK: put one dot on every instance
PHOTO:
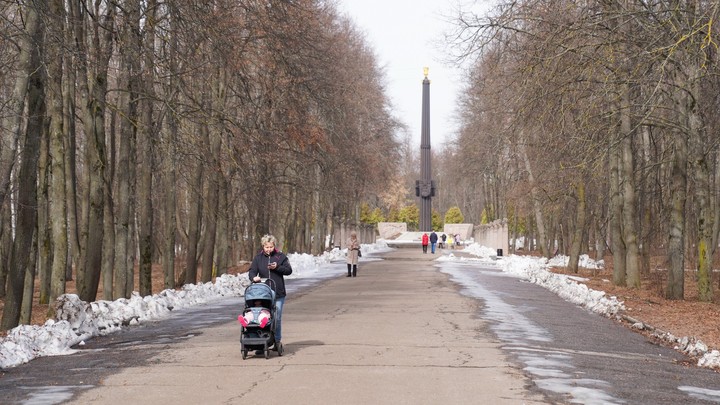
(535, 269)
(77, 320)
(688, 345)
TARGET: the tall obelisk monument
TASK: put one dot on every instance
(425, 187)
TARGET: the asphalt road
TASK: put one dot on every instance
(577, 356)
(406, 330)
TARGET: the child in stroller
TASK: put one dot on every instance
(255, 315)
(258, 321)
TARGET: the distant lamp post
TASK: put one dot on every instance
(425, 187)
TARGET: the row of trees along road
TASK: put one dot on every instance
(177, 133)
(598, 121)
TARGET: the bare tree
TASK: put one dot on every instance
(58, 134)
(93, 63)
(27, 197)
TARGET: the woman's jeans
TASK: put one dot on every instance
(279, 302)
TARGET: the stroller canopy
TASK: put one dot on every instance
(259, 291)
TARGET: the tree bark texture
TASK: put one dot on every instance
(93, 87)
(676, 243)
(58, 134)
(536, 206)
(13, 121)
(580, 225)
(629, 200)
(27, 177)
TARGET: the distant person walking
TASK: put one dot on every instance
(425, 241)
(433, 241)
(353, 247)
(443, 238)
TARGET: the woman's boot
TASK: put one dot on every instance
(354, 270)
(349, 265)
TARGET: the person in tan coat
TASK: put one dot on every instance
(353, 246)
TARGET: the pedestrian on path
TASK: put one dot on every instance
(353, 246)
(425, 241)
(443, 238)
(272, 264)
(433, 241)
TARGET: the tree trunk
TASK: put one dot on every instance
(537, 207)
(703, 189)
(128, 131)
(6, 243)
(715, 203)
(629, 200)
(71, 190)
(146, 162)
(145, 208)
(194, 215)
(222, 228)
(93, 85)
(27, 304)
(170, 204)
(676, 244)
(210, 220)
(13, 119)
(44, 238)
(58, 132)
(579, 232)
(36, 130)
(27, 189)
(109, 252)
(616, 209)
(211, 210)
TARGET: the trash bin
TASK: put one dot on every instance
(499, 252)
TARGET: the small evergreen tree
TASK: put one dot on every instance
(410, 214)
(437, 223)
(454, 216)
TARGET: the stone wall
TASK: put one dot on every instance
(493, 235)
(389, 230)
(464, 230)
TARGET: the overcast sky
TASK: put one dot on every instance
(405, 35)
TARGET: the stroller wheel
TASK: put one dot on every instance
(267, 353)
(244, 354)
(280, 349)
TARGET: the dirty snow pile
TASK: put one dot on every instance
(77, 320)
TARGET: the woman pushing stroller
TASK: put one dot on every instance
(272, 264)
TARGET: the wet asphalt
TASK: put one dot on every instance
(576, 356)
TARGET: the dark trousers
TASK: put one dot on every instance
(354, 270)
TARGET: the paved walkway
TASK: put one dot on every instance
(399, 333)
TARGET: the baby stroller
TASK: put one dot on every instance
(258, 321)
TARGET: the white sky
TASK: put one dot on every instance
(405, 35)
